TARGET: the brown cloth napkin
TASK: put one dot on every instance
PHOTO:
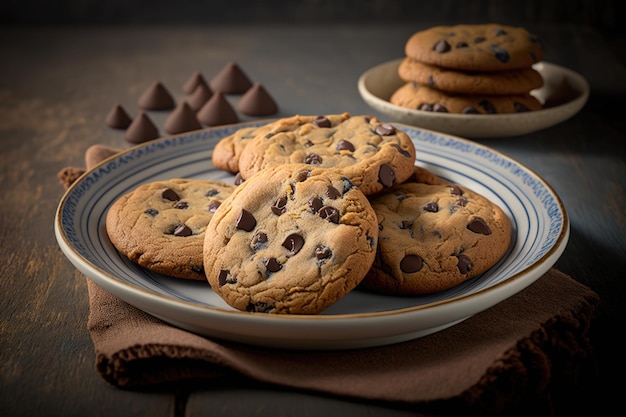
(486, 362)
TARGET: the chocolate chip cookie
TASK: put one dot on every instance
(483, 47)
(374, 155)
(434, 236)
(161, 225)
(291, 239)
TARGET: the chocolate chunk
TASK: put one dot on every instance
(303, 175)
(170, 195)
(500, 32)
(156, 97)
(181, 205)
(230, 80)
(411, 263)
(461, 44)
(478, 225)
(118, 118)
(465, 264)
(246, 221)
(323, 253)
(257, 102)
(470, 110)
(321, 121)
(182, 119)
(345, 145)
(519, 107)
(272, 265)
(488, 106)
(442, 46)
(500, 53)
(461, 202)
(439, 108)
(431, 81)
(347, 184)
(386, 175)
(479, 39)
(454, 190)
(259, 240)
(293, 243)
(406, 224)
(182, 230)
(151, 212)
(141, 130)
(332, 192)
(432, 207)
(329, 213)
(211, 193)
(425, 107)
(279, 206)
(385, 129)
(316, 203)
(238, 179)
(217, 111)
(313, 159)
(213, 205)
(259, 307)
(225, 278)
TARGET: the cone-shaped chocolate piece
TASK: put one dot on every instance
(156, 97)
(230, 80)
(142, 129)
(257, 102)
(217, 111)
(96, 153)
(199, 97)
(193, 81)
(118, 118)
(182, 119)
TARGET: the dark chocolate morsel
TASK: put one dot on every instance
(259, 307)
(402, 151)
(303, 175)
(386, 175)
(406, 224)
(442, 46)
(329, 213)
(321, 121)
(322, 253)
(151, 212)
(488, 106)
(500, 53)
(500, 32)
(454, 190)
(238, 179)
(212, 192)
(246, 221)
(344, 145)
(461, 202)
(213, 205)
(470, 110)
(170, 195)
(182, 230)
(279, 206)
(425, 107)
(313, 159)
(431, 81)
(411, 263)
(431, 207)
(224, 278)
(519, 107)
(347, 184)
(181, 205)
(465, 264)
(439, 108)
(316, 203)
(462, 44)
(259, 240)
(272, 265)
(293, 243)
(479, 39)
(385, 129)
(332, 192)
(478, 225)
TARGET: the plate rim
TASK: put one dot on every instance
(513, 284)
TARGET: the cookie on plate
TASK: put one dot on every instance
(161, 225)
(483, 47)
(433, 237)
(421, 97)
(291, 239)
(372, 154)
(518, 81)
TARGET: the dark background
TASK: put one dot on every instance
(605, 15)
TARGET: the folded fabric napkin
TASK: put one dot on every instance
(487, 362)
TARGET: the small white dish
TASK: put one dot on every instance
(361, 319)
(563, 94)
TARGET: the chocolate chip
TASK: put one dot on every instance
(303, 175)
(212, 192)
(500, 53)
(462, 44)
(461, 202)
(347, 184)
(431, 81)
(246, 221)
(181, 205)
(315, 203)
(332, 192)
(500, 32)
(259, 240)
(329, 213)
(440, 108)
(411, 263)
(406, 224)
(385, 129)
(238, 179)
(225, 278)
(454, 190)
(386, 175)
(402, 151)
(478, 225)
(182, 230)
(465, 264)
(470, 110)
(313, 159)
(344, 145)
(272, 265)
(479, 39)
(279, 206)
(170, 195)
(151, 212)
(213, 205)
(321, 121)
(441, 46)
(519, 107)
(431, 207)
(293, 243)
(488, 106)
(259, 307)
(323, 253)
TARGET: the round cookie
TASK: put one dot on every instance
(421, 97)
(433, 237)
(518, 81)
(161, 225)
(372, 154)
(486, 47)
(292, 239)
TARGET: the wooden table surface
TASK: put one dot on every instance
(56, 87)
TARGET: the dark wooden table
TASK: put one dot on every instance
(58, 84)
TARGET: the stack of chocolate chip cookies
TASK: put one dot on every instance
(470, 69)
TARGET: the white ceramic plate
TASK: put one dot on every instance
(541, 231)
(563, 94)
